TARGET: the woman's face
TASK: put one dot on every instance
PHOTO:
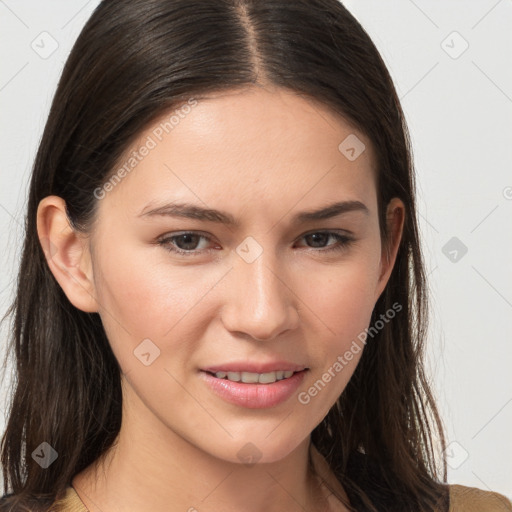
(270, 287)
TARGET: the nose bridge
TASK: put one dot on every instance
(261, 304)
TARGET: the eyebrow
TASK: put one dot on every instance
(190, 211)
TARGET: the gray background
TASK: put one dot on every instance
(450, 62)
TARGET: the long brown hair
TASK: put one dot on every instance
(133, 61)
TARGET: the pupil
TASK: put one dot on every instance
(316, 235)
(187, 237)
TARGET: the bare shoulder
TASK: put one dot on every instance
(472, 499)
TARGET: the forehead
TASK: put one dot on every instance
(250, 145)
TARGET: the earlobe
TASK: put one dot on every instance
(67, 253)
(395, 217)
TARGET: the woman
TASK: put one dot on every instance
(221, 303)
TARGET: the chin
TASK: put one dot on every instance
(262, 450)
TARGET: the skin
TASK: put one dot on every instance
(261, 155)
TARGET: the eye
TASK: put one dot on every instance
(342, 241)
(187, 243)
(183, 243)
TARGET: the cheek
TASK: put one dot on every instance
(342, 298)
(151, 307)
(342, 304)
(146, 295)
(145, 300)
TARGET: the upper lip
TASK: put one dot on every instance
(253, 367)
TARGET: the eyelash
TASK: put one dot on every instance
(344, 242)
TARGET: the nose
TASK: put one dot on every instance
(260, 302)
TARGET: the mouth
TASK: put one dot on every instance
(254, 390)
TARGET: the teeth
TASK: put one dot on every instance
(252, 378)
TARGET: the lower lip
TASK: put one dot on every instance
(254, 396)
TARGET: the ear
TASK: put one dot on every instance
(395, 216)
(67, 253)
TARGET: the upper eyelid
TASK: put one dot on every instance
(171, 234)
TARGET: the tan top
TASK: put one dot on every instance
(462, 499)
(71, 502)
(471, 499)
